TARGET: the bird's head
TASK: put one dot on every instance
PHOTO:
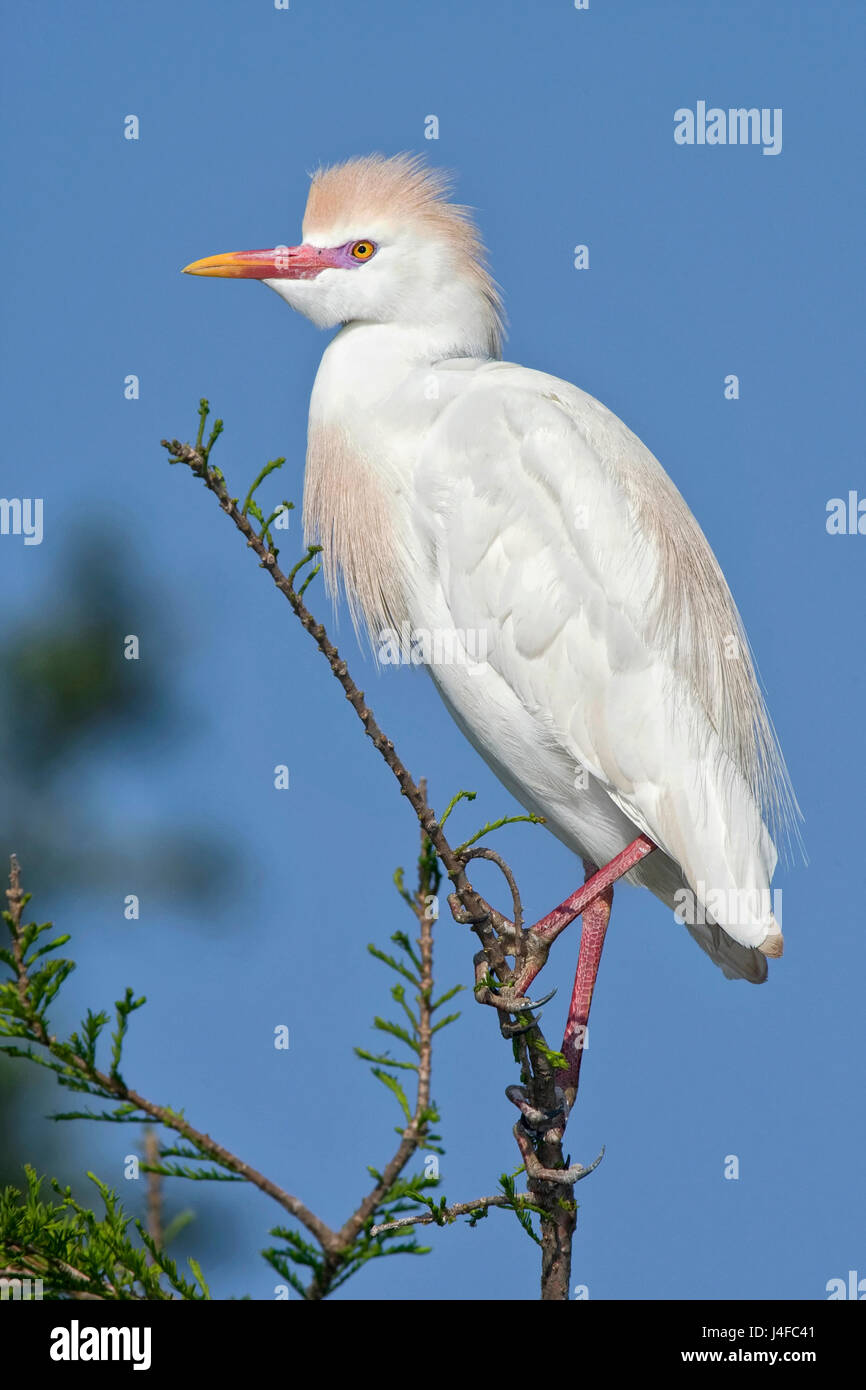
(381, 244)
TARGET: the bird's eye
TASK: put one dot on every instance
(363, 250)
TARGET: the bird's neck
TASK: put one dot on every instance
(365, 363)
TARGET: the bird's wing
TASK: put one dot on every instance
(604, 610)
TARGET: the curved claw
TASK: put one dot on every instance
(537, 1003)
(518, 1005)
(585, 1172)
(563, 1177)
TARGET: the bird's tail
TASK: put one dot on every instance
(773, 944)
(735, 960)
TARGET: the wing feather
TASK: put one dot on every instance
(607, 616)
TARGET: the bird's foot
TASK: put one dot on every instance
(507, 1003)
(538, 1123)
(536, 1171)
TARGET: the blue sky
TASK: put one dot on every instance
(704, 261)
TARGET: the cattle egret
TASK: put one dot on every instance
(597, 661)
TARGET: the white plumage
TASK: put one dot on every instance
(464, 495)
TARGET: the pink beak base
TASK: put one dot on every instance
(276, 263)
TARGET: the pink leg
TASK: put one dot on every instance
(550, 927)
(596, 916)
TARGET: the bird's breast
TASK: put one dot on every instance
(353, 513)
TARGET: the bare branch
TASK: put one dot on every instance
(444, 1215)
(154, 1189)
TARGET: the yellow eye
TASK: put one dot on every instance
(363, 250)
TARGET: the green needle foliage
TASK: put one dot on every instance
(73, 1251)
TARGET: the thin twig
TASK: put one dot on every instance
(154, 1182)
(517, 906)
(444, 1215)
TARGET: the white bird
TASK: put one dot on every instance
(601, 667)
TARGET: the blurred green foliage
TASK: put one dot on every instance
(70, 706)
